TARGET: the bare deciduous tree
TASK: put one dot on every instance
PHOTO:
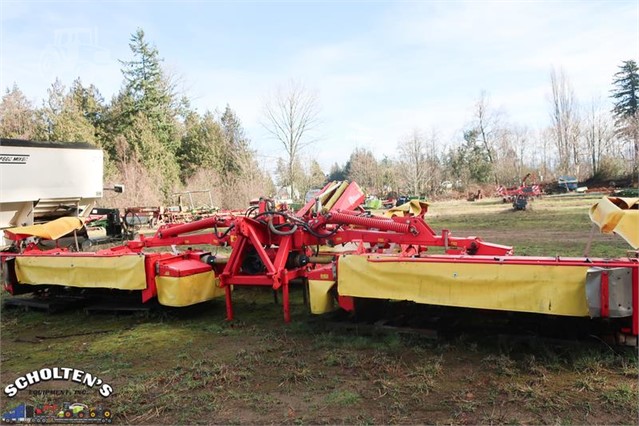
(290, 116)
(512, 144)
(599, 134)
(413, 150)
(434, 162)
(487, 122)
(565, 121)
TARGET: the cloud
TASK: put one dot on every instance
(388, 68)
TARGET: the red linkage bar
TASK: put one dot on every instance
(635, 301)
(605, 295)
(176, 230)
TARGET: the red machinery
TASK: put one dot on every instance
(510, 194)
(388, 259)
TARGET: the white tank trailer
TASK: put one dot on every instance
(41, 181)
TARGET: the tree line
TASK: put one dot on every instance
(582, 139)
(156, 143)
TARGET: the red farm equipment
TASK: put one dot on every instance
(519, 195)
(341, 253)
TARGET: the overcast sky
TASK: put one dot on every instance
(380, 69)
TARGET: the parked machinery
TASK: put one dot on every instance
(510, 195)
(40, 181)
(341, 253)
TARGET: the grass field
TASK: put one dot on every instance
(191, 366)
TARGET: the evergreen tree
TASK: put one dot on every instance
(283, 177)
(143, 76)
(115, 122)
(143, 142)
(90, 103)
(389, 170)
(146, 105)
(235, 153)
(626, 90)
(17, 115)
(151, 139)
(470, 162)
(150, 91)
(317, 178)
(311, 178)
(338, 172)
(201, 144)
(364, 169)
(63, 119)
(626, 94)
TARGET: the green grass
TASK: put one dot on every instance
(268, 370)
(622, 396)
(343, 398)
(553, 226)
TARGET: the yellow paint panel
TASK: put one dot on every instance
(118, 272)
(618, 215)
(556, 290)
(327, 205)
(321, 299)
(412, 207)
(50, 231)
(326, 195)
(189, 290)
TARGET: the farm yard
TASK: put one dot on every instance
(173, 366)
(319, 212)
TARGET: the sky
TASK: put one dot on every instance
(380, 69)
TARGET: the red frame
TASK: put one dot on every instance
(342, 224)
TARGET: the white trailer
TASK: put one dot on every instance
(45, 180)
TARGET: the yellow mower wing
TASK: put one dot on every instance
(618, 215)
